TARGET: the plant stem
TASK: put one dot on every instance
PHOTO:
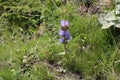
(113, 38)
(66, 54)
(65, 49)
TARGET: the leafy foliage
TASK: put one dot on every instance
(110, 19)
(25, 14)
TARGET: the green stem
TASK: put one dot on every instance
(65, 49)
(113, 38)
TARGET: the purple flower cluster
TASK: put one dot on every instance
(64, 32)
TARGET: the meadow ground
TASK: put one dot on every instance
(92, 53)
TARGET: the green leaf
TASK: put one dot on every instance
(117, 9)
(110, 17)
(117, 25)
(107, 25)
(101, 18)
(117, 1)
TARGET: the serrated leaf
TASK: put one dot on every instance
(100, 18)
(118, 9)
(117, 12)
(117, 25)
(118, 19)
(110, 17)
(107, 25)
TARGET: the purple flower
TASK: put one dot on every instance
(64, 23)
(68, 37)
(64, 32)
(61, 40)
(61, 32)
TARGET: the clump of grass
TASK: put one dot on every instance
(12, 54)
(90, 51)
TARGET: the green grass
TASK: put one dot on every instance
(91, 51)
(11, 59)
